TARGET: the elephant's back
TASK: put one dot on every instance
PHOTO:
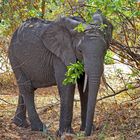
(26, 39)
(31, 29)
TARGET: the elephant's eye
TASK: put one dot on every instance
(79, 50)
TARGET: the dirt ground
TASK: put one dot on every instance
(114, 120)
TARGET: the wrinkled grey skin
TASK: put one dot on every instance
(39, 53)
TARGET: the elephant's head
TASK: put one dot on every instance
(92, 48)
(89, 46)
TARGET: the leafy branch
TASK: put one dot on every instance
(74, 71)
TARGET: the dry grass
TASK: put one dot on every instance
(114, 120)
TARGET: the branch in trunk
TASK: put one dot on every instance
(43, 8)
(133, 55)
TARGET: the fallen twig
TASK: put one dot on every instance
(6, 101)
(116, 93)
(48, 107)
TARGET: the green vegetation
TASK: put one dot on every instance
(109, 58)
(74, 71)
(80, 28)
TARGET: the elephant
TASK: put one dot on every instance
(40, 52)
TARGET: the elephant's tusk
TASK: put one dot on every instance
(85, 83)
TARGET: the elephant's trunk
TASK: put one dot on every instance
(94, 82)
(94, 75)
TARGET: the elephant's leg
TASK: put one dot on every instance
(20, 115)
(36, 123)
(66, 99)
(27, 92)
(83, 99)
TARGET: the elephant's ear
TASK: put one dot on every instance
(57, 40)
(100, 19)
(108, 31)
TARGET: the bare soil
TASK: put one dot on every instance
(114, 120)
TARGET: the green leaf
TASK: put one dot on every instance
(129, 86)
(74, 71)
(102, 27)
(80, 28)
(62, 1)
(109, 58)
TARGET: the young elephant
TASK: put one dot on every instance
(39, 53)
